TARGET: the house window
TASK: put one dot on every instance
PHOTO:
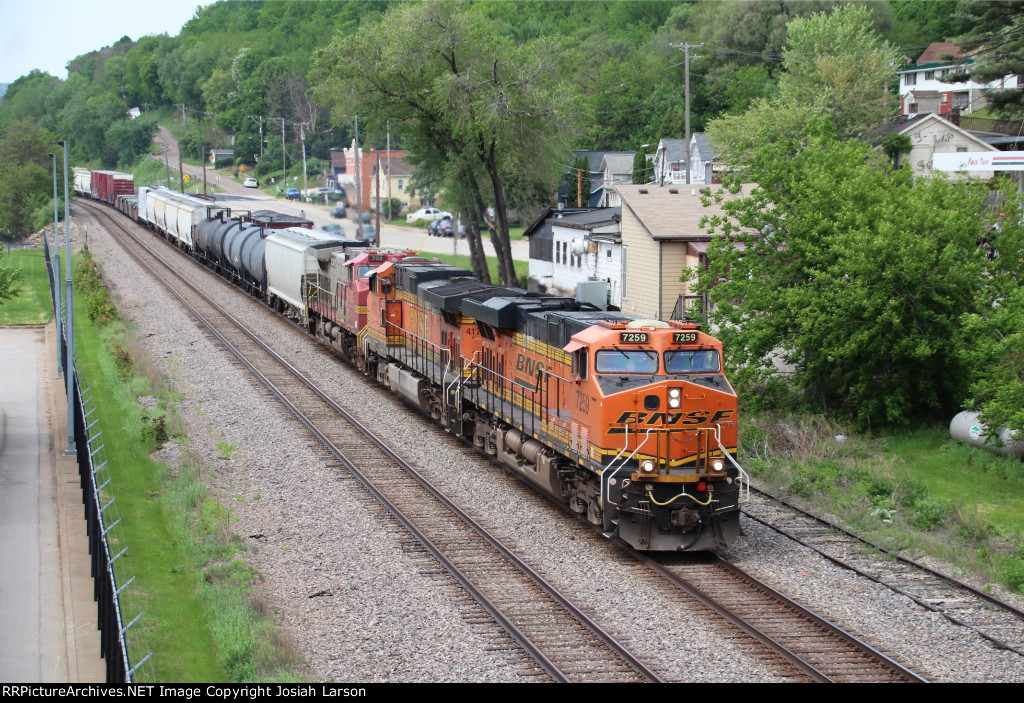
(961, 99)
(909, 79)
(929, 75)
(401, 184)
(912, 108)
(961, 149)
(609, 253)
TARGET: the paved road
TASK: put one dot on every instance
(236, 195)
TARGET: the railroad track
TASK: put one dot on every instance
(564, 642)
(997, 621)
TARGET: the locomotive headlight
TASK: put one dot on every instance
(647, 466)
(673, 397)
(718, 465)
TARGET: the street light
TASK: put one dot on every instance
(68, 305)
(55, 268)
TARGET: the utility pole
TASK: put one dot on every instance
(181, 173)
(55, 268)
(302, 138)
(359, 176)
(184, 114)
(378, 199)
(389, 177)
(284, 163)
(686, 61)
(260, 118)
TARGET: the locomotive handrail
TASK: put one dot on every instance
(742, 476)
(605, 484)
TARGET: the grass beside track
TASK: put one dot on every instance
(463, 261)
(202, 619)
(917, 490)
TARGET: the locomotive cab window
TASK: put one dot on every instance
(626, 361)
(685, 362)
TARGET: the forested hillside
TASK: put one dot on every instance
(237, 61)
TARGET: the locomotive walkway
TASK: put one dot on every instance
(47, 612)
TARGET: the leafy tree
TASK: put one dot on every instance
(128, 139)
(835, 66)
(994, 331)
(25, 183)
(462, 96)
(854, 277)
(643, 169)
(997, 30)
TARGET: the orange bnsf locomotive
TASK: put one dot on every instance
(629, 422)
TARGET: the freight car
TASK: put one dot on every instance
(631, 423)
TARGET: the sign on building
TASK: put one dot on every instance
(979, 161)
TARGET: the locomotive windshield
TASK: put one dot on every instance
(365, 271)
(684, 362)
(621, 361)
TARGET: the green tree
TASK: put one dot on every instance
(997, 30)
(834, 66)
(459, 92)
(25, 183)
(994, 332)
(854, 278)
(643, 169)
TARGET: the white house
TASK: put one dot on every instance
(929, 135)
(616, 167)
(585, 248)
(922, 90)
(670, 160)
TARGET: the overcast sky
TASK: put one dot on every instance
(47, 34)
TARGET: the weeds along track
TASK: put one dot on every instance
(563, 642)
(998, 622)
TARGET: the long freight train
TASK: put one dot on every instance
(629, 422)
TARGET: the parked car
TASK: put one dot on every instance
(426, 213)
(292, 194)
(367, 233)
(334, 229)
(338, 211)
(251, 182)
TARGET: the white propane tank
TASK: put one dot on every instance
(966, 428)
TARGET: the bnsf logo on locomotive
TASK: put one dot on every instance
(531, 367)
(695, 417)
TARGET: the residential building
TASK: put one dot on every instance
(616, 167)
(343, 170)
(571, 248)
(662, 236)
(929, 135)
(923, 91)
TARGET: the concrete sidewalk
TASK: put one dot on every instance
(47, 612)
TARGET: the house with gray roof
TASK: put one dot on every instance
(662, 236)
(616, 167)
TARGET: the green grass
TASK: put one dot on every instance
(919, 490)
(31, 304)
(462, 260)
(202, 620)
